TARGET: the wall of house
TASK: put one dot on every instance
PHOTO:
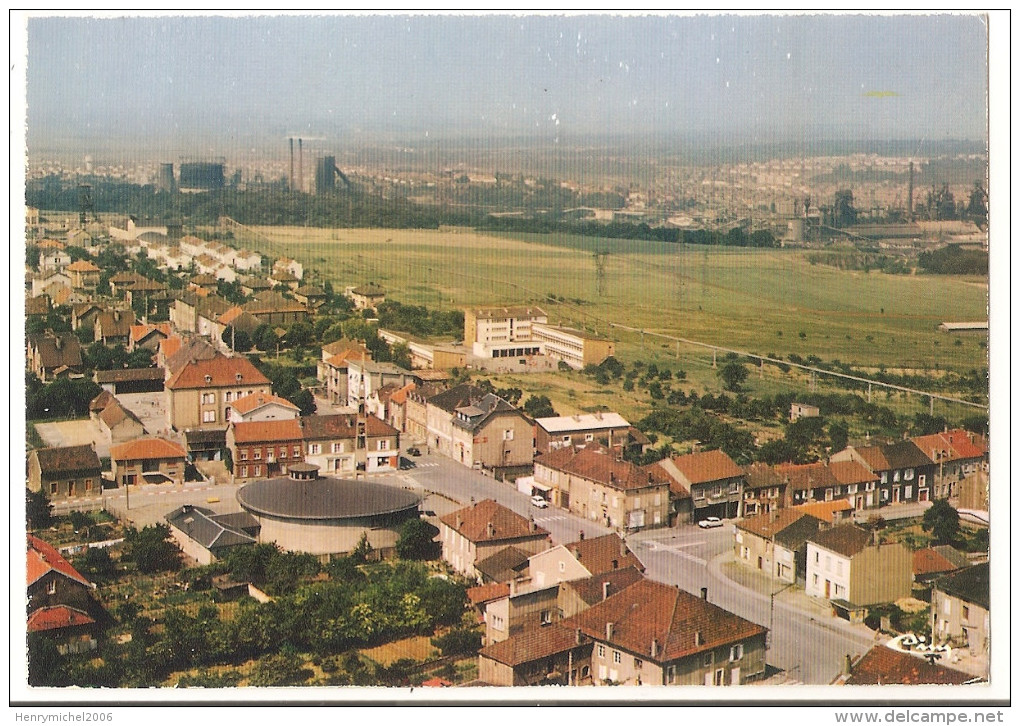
(718, 498)
(532, 609)
(881, 574)
(126, 430)
(601, 503)
(701, 669)
(958, 620)
(55, 589)
(491, 446)
(496, 673)
(753, 551)
(173, 468)
(191, 548)
(532, 544)
(458, 551)
(555, 565)
(825, 566)
(80, 485)
(497, 621)
(440, 430)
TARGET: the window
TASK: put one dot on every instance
(720, 677)
(658, 499)
(637, 502)
(314, 448)
(638, 663)
(828, 563)
(671, 674)
(921, 480)
(257, 455)
(566, 439)
(908, 475)
(384, 445)
(869, 487)
(228, 396)
(508, 435)
(885, 495)
(895, 477)
(244, 471)
(562, 566)
(617, 656)
(839, 568)
(852, 489)
(589, 437)
(53, 488)
(966, 613)
(338, 447)
(497, 622)
(602, 651)
(243, 454)
(616, 502)
(908, 491)
(88, 485)
(296, 450)
(815, 581)
(946, 606)
(706, 660)
(258, 471)
(736, 651)
(545, 617)
(817, 557)
(734, 486)
(885, 477)
(208, 398)
(208, 416)
(51, 587)
(828, 494)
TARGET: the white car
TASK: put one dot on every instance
(710, 523)
(539, 501)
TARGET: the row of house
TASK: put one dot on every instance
(583, 613)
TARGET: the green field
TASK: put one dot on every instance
(755, 300)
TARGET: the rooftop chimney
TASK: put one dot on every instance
(704, 594)
(532, 526)
(472, 502)
(605, 590)
(580, 535)
(655, 648)
(623, 548)
(460, 521)
(847, 664)
(490, 529)
(697, 637)
(513, 587)
(609, 631)
(577, 636)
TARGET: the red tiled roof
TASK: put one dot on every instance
(82, 266)
(706, 466)
(680, 623)
(850, 472)
(56, 617)
(808, 476)
(487, 593)
(759, 475)
(595, 588)
(603, 554)
(825, 510)
(929, 561)
(765, 525)
(400, 395)
(884, 666)
(531, 645)
(596, 465)
(170, 345)
(436, 683)
(950, 445)
(44, 558)
(148, 448)
(258, 431)
(506, 523)
(138, 332)
(221, 372)
(256, 400)
(846, 539)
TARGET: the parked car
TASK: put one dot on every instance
(539, 501)
(710, 523)
(414, 451)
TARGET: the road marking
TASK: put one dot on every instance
(555, 518)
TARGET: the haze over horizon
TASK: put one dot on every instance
(252, 80)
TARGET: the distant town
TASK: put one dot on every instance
(271, 442)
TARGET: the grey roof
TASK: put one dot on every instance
(324, 498)
(453, 398)
(798, 532)
(970, 584)
(955, 557)
(503, 565)
(905, 455)
(212, 531)
(473, 416)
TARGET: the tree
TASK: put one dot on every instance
(264, 337)
(279, 669)
(732, 375)
(460, 641)
(843, 212)
(416, 540)
(359, 555)
(539, 407)
(236, 338)
(839, 436)
(299, 334)
(942, 520)
(96, 564)
(38, 510)
(152, 549)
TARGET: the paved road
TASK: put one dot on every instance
(806, 642)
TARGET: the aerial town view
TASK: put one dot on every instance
(461, 352)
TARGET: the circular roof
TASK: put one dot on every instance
(323, 499)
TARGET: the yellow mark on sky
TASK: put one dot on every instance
(881, 94)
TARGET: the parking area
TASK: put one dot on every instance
(150, 408)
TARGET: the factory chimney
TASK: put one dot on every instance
(300, 166)
(910, 194)
(292, 163)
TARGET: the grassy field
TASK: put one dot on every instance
(758, 300)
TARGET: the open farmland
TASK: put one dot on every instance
(756, 300)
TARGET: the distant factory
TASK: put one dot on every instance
(326, 171)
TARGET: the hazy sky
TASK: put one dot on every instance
(743, 79)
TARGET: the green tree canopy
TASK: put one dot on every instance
(942, 520)
(733, 374)
(416, 540)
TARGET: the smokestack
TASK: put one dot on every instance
(605, 590)
(910, 194)
(300, 166)
(704, 594)
(609, 631)
(292, 163)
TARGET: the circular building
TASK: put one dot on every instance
(303, 512)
